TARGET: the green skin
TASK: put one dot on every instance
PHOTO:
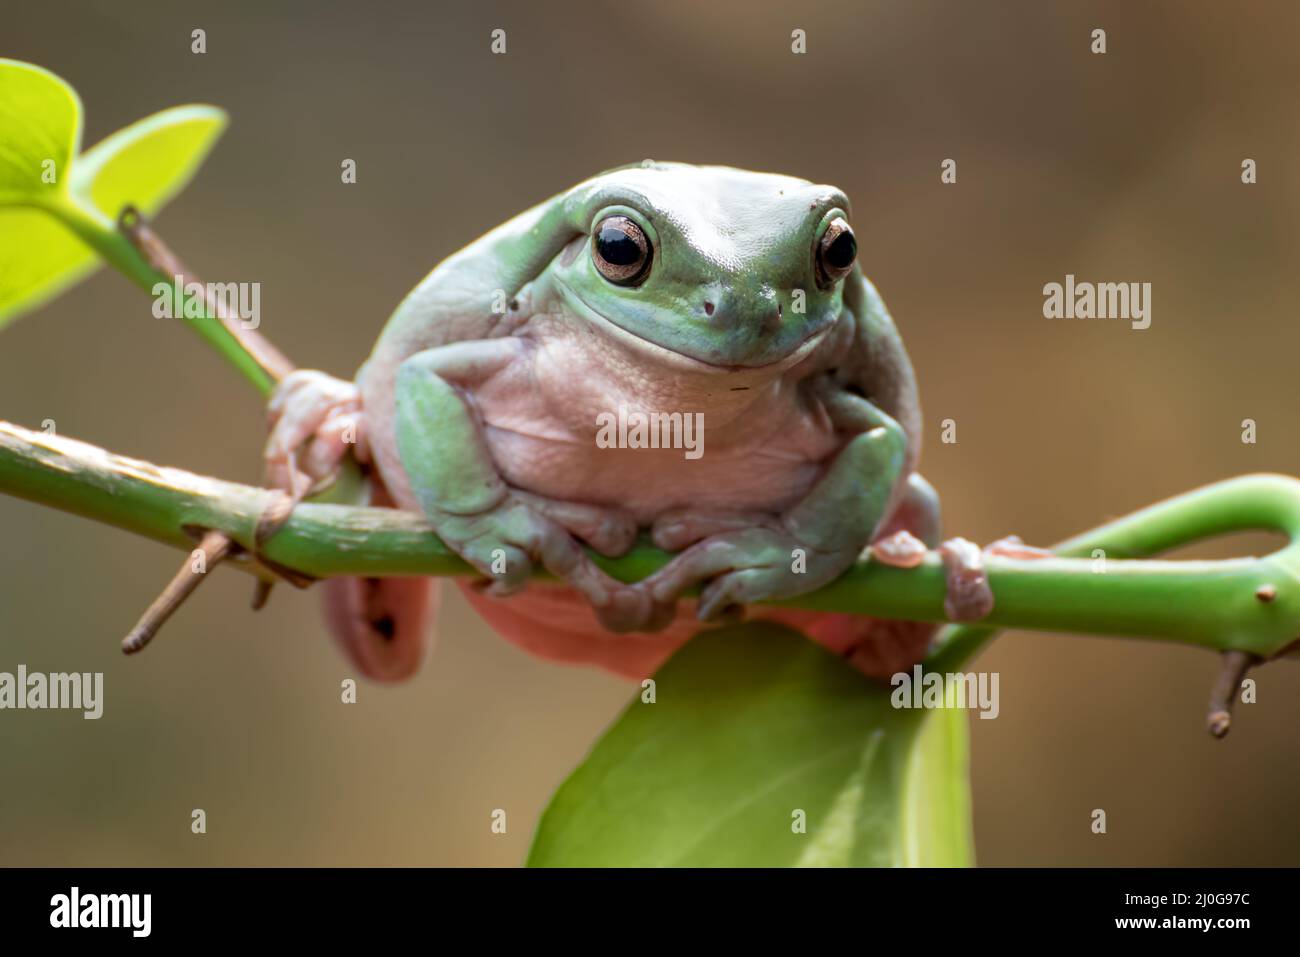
(479, 404)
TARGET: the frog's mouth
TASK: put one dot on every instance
(685, 361)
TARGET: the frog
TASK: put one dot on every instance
(724, 296)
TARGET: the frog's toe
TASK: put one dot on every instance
(314, 421)
(505, 566)
(332, 441)
(1014, 547)
(696, 564)
(676, 529)
(724, 599)
(968, 597)
(899, 550)
(633, 609)
(619, 607)
(610, 531)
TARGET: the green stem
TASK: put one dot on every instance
(1164, 596)
(100, 233)
(1208, 603)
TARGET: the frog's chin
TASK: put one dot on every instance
(680, 361)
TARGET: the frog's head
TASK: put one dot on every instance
(720, 266)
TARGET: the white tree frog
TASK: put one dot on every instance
(727, 295)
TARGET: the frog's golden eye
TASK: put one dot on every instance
(836, 252)
(621, 250)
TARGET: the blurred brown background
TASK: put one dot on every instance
(1122, 167)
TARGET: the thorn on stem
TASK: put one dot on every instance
(135, 227)
(215, 546)
(261, 593)
(1224, 693)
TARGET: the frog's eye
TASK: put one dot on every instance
(621, 250)
(836, 252)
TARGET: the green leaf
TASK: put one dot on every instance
(39, 258)
(40, 117)
(148, 162)
(750, 725)
(145, 164)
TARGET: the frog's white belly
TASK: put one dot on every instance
(650, 481)
(735, 442)
(769, 466)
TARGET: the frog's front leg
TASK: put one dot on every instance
(752, 559)
(313, 420)
(498, 529)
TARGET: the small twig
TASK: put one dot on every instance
(1224, 693)
(137, 230)
(216, 546)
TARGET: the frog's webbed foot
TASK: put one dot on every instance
(678, 528)
(1013, 547)
(738, 558)
(968, 596)
(899, 550)
(314, 420)
(506, 540)
(610, 531)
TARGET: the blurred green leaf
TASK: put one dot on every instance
(40, 132)
(39, 258)
(40, 117)
(148, 162)
(145, 164)
(750, 725)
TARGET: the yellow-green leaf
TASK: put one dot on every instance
(39, 258)
(145, 165)
(40, 132)
(148, 162)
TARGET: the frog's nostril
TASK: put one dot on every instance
(708, 308)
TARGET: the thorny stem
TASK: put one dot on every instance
(213, 547)
(243, 346)
(1213, 604)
